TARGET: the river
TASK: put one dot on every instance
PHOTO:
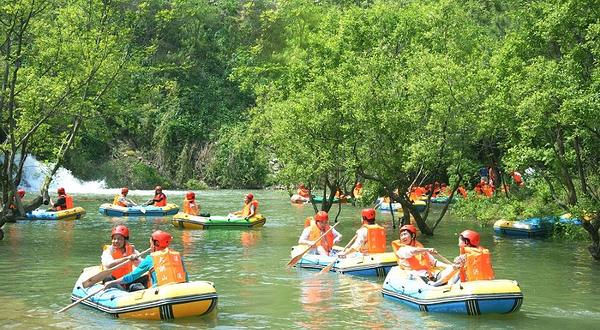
(41, 260)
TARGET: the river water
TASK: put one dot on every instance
(41, 261)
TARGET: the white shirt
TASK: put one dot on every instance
(306, 234)
(107, 257)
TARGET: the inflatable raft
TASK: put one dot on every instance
(534, 227)
(385, 206)
(68, 214)
(184, 220)
(470, 298)
(137, 211)
(319, 199)
(377, 264)
(297, 199)
(165, 302)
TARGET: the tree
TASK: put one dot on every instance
(548, 80)
(59, 63)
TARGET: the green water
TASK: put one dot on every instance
(42, 259)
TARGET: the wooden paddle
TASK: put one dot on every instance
(443, 259)
(298, 257)
(103, 274)
(328, 268)
(80, 300)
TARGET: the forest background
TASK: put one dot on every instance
(192, 94)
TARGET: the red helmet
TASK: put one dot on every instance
(472, 236)
(301, 186)
(61, 191)
(21, 192)
(121, 230)
(322, 216)
(162, 239)
(158, 188)
(124, 190)
(409, 228)
(368, 214)
(358, 184)
(190, 195)
(250, 196)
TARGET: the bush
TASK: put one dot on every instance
(193, 184)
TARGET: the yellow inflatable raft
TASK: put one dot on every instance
(169, 301)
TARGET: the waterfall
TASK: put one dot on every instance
(34, 173)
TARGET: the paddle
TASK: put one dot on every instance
(443, 259)
(141, 208)
(298, 257)
(326, 269)
(80, 300)
(103, 274)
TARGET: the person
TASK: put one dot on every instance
(484, 173)
(370, 237)
(164, 265)
(159, 199)
(21, 193)
(474, 260)
(463, 191)
(250, 208)
(63, 202)
(316, 229)
(517, 177)
(357, 189)
(122, 200)
(119, 251)
(413, 256)
(302, 192)
(189, 204)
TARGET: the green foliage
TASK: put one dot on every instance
(193, 184)
(238, 162)
(144, 175)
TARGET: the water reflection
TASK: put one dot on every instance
(315, 294)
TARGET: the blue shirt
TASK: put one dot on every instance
(145, 266)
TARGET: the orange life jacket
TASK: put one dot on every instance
(478, 264)
(315, 232)
(117, 254)
(376, 242)
(303, 193)
(309, 221)
(189, 207)
(418, 261)
(68, 202)
(163, 202)
(246, 210)
(116, 200)
(356, 192)
(168, 267)
(462, 192)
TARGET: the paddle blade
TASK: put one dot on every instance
(299, 256)
(327, 268)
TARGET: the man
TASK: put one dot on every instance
(119, 251)
(63, 202)
(189, 204)
(316, 229)
(370, 238)
(250, 208)
(122, 200)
